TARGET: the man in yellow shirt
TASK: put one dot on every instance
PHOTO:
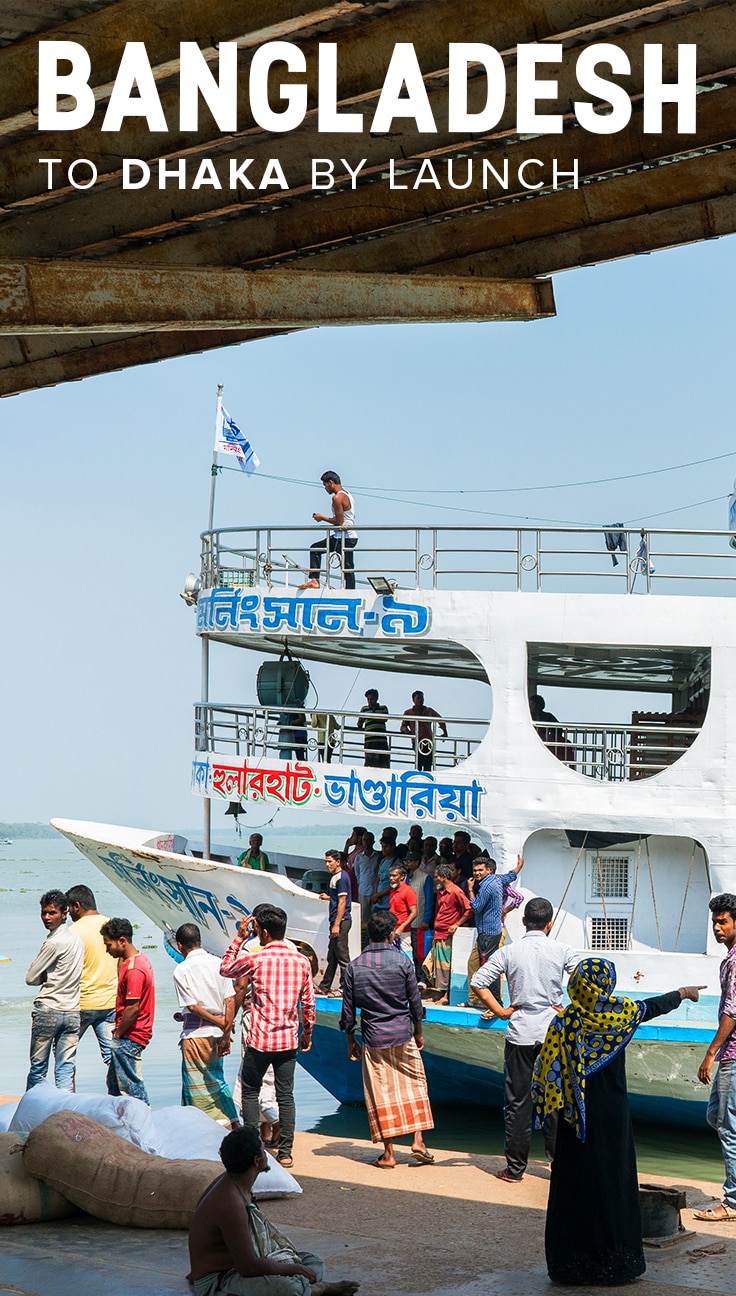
(99, 974)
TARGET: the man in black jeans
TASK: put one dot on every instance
(343, 539)
(534, 967)
(340, 901)
(280, 980)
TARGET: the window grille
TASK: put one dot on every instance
(609, 933)
(609, 877)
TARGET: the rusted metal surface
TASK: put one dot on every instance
(636, 192)
(66, 297)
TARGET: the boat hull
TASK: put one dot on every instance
(463, 1059)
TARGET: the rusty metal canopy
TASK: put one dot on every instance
(637, 192)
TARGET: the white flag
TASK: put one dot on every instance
(230, 440)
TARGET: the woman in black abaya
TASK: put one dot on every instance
(593, 1231)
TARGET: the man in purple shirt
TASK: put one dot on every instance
(722, 1049)
(381, 983)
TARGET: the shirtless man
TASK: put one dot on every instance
(236, 1250)
(343, 538)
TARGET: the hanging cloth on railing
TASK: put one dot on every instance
(732, 516)
(642, 556)
(615, 538)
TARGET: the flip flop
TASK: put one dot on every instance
(716, 1214)
(381, 1165)
(422, 1156)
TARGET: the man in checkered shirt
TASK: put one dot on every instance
(280, 979)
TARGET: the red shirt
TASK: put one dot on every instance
(280, 979)
(452, 905)
(135, 981)
(402, 901)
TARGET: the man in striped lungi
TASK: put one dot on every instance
(206, 1005)
(382, 985)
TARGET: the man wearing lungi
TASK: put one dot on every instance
(234, 1248)
(382, 985)
(453, 910)
(206, 1008)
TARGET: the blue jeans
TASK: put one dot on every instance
(60, 1031)
(722, 1116)
(101, 1020)
(124, 1074)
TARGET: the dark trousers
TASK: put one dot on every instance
(255, 1066)
(338, 956)
(341, 545)
(425, 760)
(518, 1065)
(488, 945)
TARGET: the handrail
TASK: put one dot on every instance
(525, 558)
(616, 752)
(288, 732)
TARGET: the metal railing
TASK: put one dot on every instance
(617, 753)
(484, 558)
(291, 733)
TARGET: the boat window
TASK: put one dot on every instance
(617, 712)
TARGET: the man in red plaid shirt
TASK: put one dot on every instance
(280, 979)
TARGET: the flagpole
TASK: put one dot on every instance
(207, 804)
(211, 518)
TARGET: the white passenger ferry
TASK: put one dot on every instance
(628, 828)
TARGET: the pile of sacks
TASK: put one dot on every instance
(113, 1158)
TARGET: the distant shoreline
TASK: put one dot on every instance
(20, 831)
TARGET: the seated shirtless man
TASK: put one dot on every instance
(233, 1248)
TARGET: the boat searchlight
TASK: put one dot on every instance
(190, 593)
(381, 584)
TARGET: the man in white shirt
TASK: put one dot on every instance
(57, 969)
(207, 1011)
(534, 968)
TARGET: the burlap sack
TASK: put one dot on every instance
(111, 1179)
(23, 1199)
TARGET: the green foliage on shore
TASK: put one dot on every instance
(19, 830)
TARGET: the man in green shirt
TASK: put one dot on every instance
(254, 857)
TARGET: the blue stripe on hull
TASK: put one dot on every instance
(451, 1079)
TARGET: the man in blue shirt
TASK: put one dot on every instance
(381, 984)
(340, 919)
(485, 891)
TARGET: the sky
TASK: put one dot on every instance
(105, 483)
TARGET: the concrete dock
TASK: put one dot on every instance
(448, 1228)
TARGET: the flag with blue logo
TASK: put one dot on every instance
(230, 440)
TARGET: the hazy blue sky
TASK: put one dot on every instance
(105, 489)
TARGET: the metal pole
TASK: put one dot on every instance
(207, 808)
(211, 518)
(207, 804)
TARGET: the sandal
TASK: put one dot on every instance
(285, 1160)
(716, 1214)
(422, 1156)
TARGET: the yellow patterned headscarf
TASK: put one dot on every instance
(582, 1040)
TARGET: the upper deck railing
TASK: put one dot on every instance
(561, 559)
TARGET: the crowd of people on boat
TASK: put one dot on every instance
(564, 1068)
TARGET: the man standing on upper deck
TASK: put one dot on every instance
(343, 539)
(280, 980)
(722, 1049)
(377, 752)
(423, 733)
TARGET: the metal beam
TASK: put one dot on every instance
(104, 355)
(363, 63)
(161, 25)
(303, 227)
(645, 233)
(70, 297)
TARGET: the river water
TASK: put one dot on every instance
(31, 866)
